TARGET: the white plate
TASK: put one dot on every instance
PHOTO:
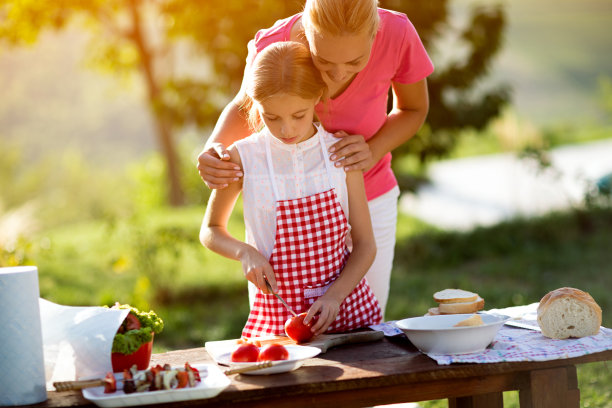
(297, 356)
(436, 334)
(213, 382)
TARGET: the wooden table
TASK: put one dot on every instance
(384, 372)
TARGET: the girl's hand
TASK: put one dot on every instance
(327, 309)
(351, 152)
(257, 269)
(215, 168)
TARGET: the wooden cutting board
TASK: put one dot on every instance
(323, 341)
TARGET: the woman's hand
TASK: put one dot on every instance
(327, 309)
(351, 152)
(257, 269)
(215, 168)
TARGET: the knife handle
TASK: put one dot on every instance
(78, 385)
(246, 369)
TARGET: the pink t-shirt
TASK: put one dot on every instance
(397, 55)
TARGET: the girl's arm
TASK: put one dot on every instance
(358, 263)
(214, 234)
(410, 108)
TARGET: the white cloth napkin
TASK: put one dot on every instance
(77, 341)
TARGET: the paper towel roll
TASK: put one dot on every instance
(21, 352)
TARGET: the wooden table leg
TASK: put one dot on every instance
(554, 387)
(491, 400)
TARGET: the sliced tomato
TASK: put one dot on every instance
(110, 383)
(131, 322)
(183, 379)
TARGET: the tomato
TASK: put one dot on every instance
(297, 330)
(273, 352)
(183, 379)
(246, 340)
(132, 322)
(110, 384)
(245, 353)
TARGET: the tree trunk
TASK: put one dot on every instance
(163, 126)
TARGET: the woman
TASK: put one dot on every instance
(361, 50)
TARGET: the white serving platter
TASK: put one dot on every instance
(213, 382)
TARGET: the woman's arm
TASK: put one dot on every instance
(214, 234)
(410, 108)
(358, 263)
(213, 162)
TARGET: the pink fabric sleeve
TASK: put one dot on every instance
(280, 31)
(413, 62)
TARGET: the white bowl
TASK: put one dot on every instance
(436, 334)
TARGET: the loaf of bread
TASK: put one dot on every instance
(568, 312)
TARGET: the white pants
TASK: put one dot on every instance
(383, 212)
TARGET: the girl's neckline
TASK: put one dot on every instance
(306, 144)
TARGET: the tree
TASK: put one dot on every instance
(123, 42)
(142, 37)
(457, 98)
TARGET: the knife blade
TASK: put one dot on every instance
(523, 325)
(280, 298)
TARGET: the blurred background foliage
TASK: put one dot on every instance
(150, 39)
(101, 125)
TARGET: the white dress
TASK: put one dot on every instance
(299, 170)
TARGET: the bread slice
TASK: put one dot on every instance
(568, 312)
(473, 320)
(433, 311)
(462, 307)
(454, 296)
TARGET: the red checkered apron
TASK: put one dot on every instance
(309, 254)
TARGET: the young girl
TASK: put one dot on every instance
(297, 207)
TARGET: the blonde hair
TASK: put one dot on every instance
(282, 68)
(340, 17)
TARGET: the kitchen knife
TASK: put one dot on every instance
(523, 324)
(280, 298)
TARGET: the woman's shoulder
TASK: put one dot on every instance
(280, 31)
(394, 25)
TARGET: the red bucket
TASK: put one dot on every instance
(141, 357)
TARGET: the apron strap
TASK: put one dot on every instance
(325, 158)
(271, 166)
